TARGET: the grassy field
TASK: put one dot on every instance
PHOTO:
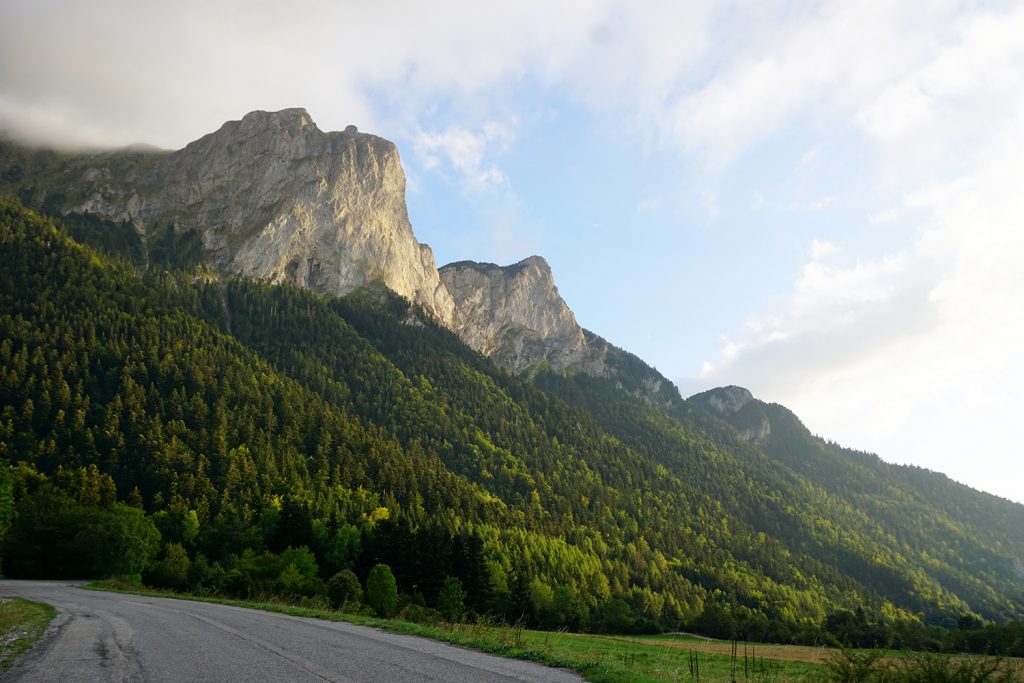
(890, 665)
(22, 623)
(624, 659)
(614, 658)
(745, 650)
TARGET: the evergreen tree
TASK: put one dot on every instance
(451, 600)
(382, 590)
(343, 588)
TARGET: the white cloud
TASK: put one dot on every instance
(885, 216)
(119, 71)
(916, 353)
(816, 204)
(821, 250)
(713, 76)
(467, 153)
(809, 159)
(817, 63)
(898, 110)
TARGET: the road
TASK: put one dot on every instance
(113, 637)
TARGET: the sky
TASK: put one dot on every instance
(819, 201)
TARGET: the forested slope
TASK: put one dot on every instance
(968, 538)
(274, 437)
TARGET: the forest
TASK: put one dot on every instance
(218, 435)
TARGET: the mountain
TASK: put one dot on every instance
(273, 197)
(912, 504)
(738, 407)
(270, 196)
(515, 314)
(864, 476)
(276, 434)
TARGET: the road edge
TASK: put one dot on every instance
(39, 646)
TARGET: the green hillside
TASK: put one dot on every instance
(968, 539)
(224, 435)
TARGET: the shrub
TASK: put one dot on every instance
(382, 590)
(418, 614)
(451, 601)
(925, 668)
(343, 588)
(172, 571)
(854, 667)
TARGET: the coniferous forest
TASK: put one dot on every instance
(224, 436)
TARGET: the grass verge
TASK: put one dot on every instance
(602, 659)
(22, 623)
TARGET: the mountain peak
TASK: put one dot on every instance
(514, 313)
(271, 196)
(258, 125)
(535, 262)
(291, 116)
(538, 263)
(726, 400)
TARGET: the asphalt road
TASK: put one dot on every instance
(114, 637)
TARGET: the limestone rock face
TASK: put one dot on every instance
(730, 399)
(757, 434)
(276, 198)
(514, 314)
(738, 407)
(273, 197)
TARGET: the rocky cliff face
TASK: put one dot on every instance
(514, 314)
(276, 198)
(727, 400)
(271, 196)
(738, 407)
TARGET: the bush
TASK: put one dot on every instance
(418, 614)
(295, 573)
(923, 668)
(382, 590)
(172, 571)
(616, 616)
(204, 579)
(451, 601)
(343, 588)
(238, 584)
(853, 667)
(79, 542)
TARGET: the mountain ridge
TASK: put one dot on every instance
(321, 210)
(514, 314)
(272, 196)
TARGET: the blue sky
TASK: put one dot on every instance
(817, 200)
(646, 252)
